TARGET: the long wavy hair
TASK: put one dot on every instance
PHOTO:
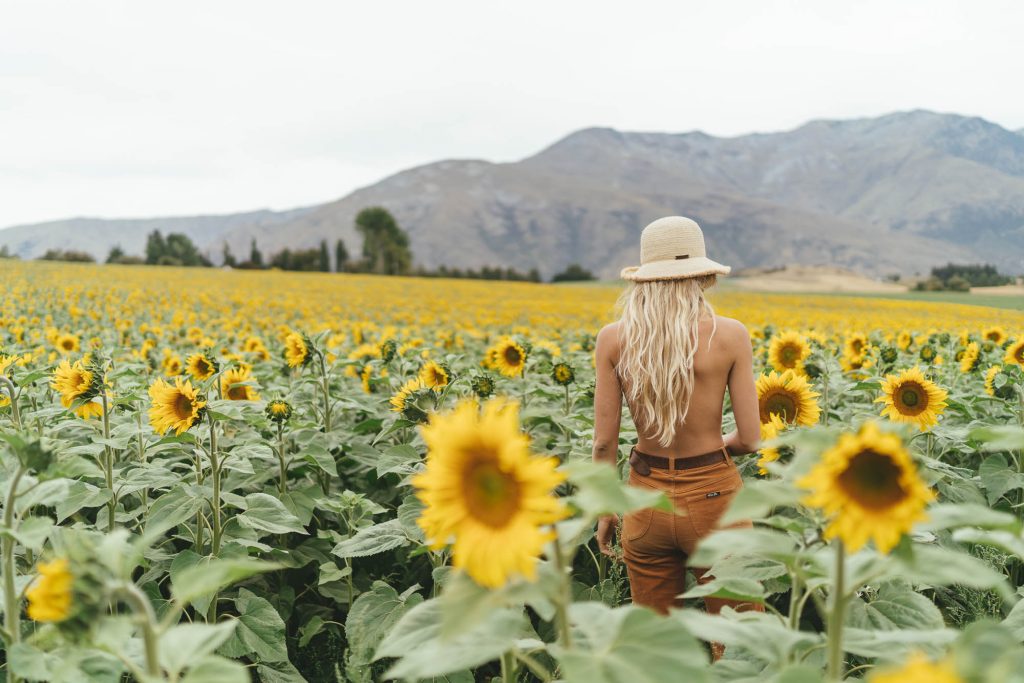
(657, 343)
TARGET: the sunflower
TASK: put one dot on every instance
(903, 340)
(918, 669)
(200, 366)
(398, 400)
(928, 353)
(434, 375)
(1015, 353)
(172, 365)
(787, 351)
(296, 351)
(911, 397)
(49, 596)
(789, 396)
(486, 493)
(563, 374)
(67, 343)
(279, 411)
(990, 376)
(995, 334)
(508, 357)
(868, 485)
(482, 385)
(855, 345)
(769, 430)
(176, 406)
(970, 357)
(236, 384)
(77, 382)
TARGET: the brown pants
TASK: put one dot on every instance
(656, 544)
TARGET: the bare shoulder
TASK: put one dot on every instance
(608, 339)
(733, 331)
(608, 336)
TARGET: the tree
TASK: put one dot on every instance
(340, 256)
(574, 273)
(155, 247)
(325, 258)
(229, 258)
(385, 245)
(116, 254)
(255, 256)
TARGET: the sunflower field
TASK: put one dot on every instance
(224, 476)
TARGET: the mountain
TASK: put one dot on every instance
(897, 193)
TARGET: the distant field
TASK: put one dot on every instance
(964, 298)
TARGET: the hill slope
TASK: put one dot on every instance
(897, 193)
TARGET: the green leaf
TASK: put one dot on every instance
(173, 508)
(997, 478)
(80, 495)
(729, 588)
(46, 493)
(269, 515)
(214, 669)
(183, 644)
(373, 540)
(762, 635)
(999, 437)
(317, 455)
(279, 672)
(947, 516)
(260, 628)
(600, 491)
(416, 639)
(945, 567)
(373, 615)
(629, 643)
(751, 542)
(757, 499)
(897, 606)
(31, 532)
(210, 575)
(896, 644)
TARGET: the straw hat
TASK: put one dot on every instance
(672, 248)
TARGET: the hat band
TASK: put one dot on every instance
(680, 257)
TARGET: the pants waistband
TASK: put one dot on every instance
(643, 462)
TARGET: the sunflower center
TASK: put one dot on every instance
(492, 495)
(781, 404)
(911, 399)
(202, 366)
(512, 356)
(236, 392)
(1019, 355)
(872, 480)
(789, 354)
(183, 407)
(68, 344)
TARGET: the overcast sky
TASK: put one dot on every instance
(141, 108)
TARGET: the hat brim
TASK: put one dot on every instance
(674, 270)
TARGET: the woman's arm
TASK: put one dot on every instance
(607, 421)
(607, 398)
(743, 395)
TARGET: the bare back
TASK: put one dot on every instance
(726, 363)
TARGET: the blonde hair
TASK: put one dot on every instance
(657, 343)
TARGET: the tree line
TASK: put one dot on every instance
(385, 251)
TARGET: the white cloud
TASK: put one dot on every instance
(129, 108)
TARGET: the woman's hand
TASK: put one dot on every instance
(606, 527)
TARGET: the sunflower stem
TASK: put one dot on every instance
(216, 531)
(283, 483)
(837, 615)
(108, 463)
(7, 384)
(327, 392)
(508, 667)
(146, 617)
(565, 597)
(12, 611)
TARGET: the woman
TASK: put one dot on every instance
(672, 359)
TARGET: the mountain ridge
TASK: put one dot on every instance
(888, 194)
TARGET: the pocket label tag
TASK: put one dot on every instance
(713, 494)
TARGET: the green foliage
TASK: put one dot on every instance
(573, 273)
(385, 245)
(176, 249)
